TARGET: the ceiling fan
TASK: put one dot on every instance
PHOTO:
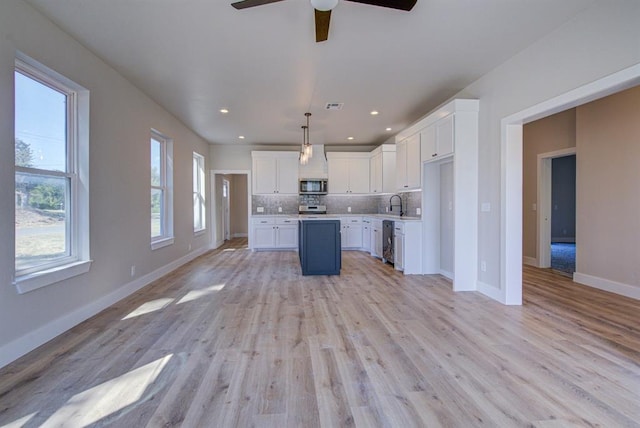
(323, 10)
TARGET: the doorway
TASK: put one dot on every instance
(511, 174)
(556, 220)
(226, 221)
(231, 200)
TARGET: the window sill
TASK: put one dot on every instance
(34, 281)
(199, 232)
(160, 243)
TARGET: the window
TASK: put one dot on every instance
(51, 177)
(161, 191)
(199, 201)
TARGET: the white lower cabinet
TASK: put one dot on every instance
(376, 238)
(366, 234)
(286, 233)
(271, 233)
(408, 246)
(351, 231)
(398, 245)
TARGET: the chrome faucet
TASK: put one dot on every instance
(391, 204)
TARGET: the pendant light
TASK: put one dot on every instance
(306, 151)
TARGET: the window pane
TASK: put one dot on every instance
(156, 210)
(156, 163)
(197, 212)
(41, 219)
(40, 125)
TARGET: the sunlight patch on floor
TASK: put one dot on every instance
(109, 397)
(196, 294)
(152, 306)
(19, 422)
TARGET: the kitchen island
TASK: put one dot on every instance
(319, 246)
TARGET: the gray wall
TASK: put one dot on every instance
(121, 118)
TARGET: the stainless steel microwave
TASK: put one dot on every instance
(313, 186)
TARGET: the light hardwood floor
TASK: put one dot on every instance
(240, 339)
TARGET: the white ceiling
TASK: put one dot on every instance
(195, 57)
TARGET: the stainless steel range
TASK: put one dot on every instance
(312, 209)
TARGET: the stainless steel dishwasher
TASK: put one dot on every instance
(387, 241)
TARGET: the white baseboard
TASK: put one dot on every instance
(446, 274)
(490, 291)
(531, 261)
(217, 245)
(239, 235)
(30, 341)
(607, 285)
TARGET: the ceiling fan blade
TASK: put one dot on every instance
(322, 25)
(392, 4)
(252, 3)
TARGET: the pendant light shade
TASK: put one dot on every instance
(306, 151)
(324, 5)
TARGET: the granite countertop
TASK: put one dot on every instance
(335, 216)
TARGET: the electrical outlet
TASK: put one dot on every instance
(534, 207)
(348, 209)
(418, 211)
(483, 266)
(279, 209)
(386, 209)
(133, 270)
(260, 209)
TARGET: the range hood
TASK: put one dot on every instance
(317, 165)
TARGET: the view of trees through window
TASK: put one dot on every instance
(42, 185)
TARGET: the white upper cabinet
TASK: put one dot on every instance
(275, 172)
(437, 139)
(348, 172)
(408, 163)
(383, 169)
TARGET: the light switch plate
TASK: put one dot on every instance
(260, 209)
(485, 207)
(279, 209)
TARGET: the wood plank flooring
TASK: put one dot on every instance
(241, 339)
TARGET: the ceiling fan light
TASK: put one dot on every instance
(324, 5)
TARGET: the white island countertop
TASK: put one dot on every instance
(338, 216)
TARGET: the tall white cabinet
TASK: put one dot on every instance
(382, 169)
(275, 172)
(448, 140)
(408, 162)
(348, 172)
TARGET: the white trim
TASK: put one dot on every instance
(530, 261)
(42, 278)
(607, 285)
(489, 291)
(161, 243)
(215, 241)
(77, 175)
(22, 345)
(511, 167)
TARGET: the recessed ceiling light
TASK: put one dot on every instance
(349, 138)
(224, 111)
(374, 113)
(241, 137)
(388, 129)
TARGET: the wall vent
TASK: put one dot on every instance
(334, 106)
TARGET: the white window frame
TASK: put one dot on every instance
(78, 260)
(166, 187)
(199, 198)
